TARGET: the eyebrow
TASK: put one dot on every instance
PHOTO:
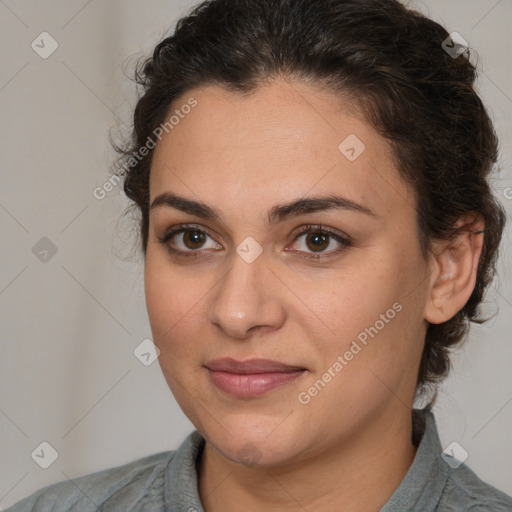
(277, 213)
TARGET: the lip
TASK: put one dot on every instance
(251, 378)
(250, 366)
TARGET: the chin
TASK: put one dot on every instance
(253, 443)
(254, 453)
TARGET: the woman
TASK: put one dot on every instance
(318, 232)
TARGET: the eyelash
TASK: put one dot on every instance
(310, 228)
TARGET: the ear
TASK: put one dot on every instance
(454, 269)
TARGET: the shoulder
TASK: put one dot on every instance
(436, 483)
(120, 487)
(466, 492)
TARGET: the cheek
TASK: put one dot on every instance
(173, 302)
(174, 308)
(355, 301)
(377, 308)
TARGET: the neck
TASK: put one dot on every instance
(361, 473)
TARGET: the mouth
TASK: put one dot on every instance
(251, 378)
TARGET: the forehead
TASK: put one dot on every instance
(282, 141)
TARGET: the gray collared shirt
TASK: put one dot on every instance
(167, 482)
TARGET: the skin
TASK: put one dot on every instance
(242, 155)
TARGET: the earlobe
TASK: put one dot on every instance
(455, 266)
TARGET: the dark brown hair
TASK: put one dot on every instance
(388, 58)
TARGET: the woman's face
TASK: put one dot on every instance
(247, 285)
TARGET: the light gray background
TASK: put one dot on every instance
(68, 375)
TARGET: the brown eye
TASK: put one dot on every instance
(185, 241)
(316, 241)
(193, 239)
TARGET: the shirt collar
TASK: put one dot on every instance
(181, 486)
(423, 485)
(420, 490)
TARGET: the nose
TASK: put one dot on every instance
(247, 299)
